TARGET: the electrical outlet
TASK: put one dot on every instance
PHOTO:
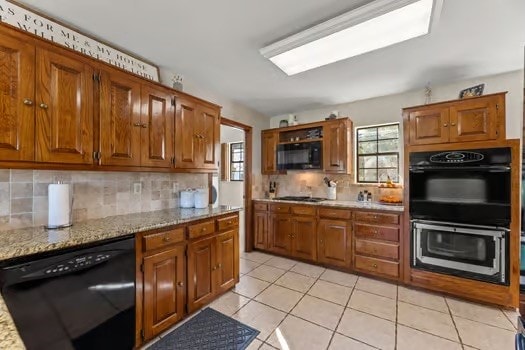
(175, 187)
(137, 188)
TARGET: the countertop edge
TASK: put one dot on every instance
(340, 204)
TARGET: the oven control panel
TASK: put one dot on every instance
(456, 157)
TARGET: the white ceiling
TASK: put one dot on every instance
(216, 44)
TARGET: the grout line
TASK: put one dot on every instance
(397, 314)
(342, 314)
(508, 318)
(454, 323)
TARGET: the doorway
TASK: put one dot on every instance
(235, 175)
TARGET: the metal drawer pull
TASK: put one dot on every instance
(180, 284)
(453, 124)
(28, 102)
(229, 222)
(137, 124)
(144, 125)
(445, 125)
(374, 266)
(203, 229)
(166, 239)
(43, 106)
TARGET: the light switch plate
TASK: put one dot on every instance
(137, 188)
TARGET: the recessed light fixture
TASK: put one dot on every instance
(378, 24)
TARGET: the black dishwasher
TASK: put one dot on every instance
(81, 298)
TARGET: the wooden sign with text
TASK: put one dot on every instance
(41, 26)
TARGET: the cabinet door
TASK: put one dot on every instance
(185, 134)
(260, 230)
(269, 152)
(335, 153)
(201, 282)
(304, 237)
(227, 268)
(64, 108)
(334, 242)
(280, 240)
(429, 125)
(17, 91)
(208, 137)
(474, 120)
(157, 118)
(119, 119)
(164, 290)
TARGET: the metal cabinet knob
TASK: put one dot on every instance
(28, 102)
(203, 229)
(137, 124)
(445, 125)
(180, 284)
(214, 268)
(43, 106)
(219, 266)
(453, 124)
(374, 266)
(166, 239)
(143, 125)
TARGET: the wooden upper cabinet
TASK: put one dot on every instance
(164, 290)
(336, 137)
(120, 125)
(17, 94)
(476, 119)
(185, 134)
(208, 136)
(428, 126)
(470, 119)
(334, 242)
(64, 108)
(269, 152)
(157, 117)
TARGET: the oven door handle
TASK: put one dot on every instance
(491, 168)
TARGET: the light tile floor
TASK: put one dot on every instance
(298, 306)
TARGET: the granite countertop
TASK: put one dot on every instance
(342, 204)
(27, 241)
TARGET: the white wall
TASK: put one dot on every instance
(386, 109)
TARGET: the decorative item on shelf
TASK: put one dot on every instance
(291, 119)
(283, 123)
(177, 82)
(332, 115)
(390, 193)
(428, 93)
(472, 91)
(273, 189)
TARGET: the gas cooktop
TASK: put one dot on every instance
(301, 199)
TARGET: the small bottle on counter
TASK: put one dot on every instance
(369, 197)
(360, 196)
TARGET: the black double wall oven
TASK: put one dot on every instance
(460, 212)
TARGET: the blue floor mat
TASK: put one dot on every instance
(208, 330)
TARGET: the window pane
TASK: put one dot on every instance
(388, 146)
(367, 162)
(236, 157)
(388, 132)
(367, 147)
(368, 175)
(387, 161)
(367, 134)
(384, 173)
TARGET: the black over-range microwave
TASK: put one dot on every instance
(300, 155)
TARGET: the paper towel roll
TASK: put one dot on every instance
(59, 213)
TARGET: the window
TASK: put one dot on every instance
(378, 153)
(237, 161)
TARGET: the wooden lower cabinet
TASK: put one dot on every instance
(304, 237)
(165, 292)
(280, 233)
(260, 229)
(334, 242)
(177, 275)
(213, 267)
(201, 264)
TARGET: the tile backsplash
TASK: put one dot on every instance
(306, 183)
(24, 201)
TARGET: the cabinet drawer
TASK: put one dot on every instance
(260, 206)
(377, 232)
(376, 218)
(161, 239)
(380, 249)
(202, 229)
(228, 222)
(280, 208)
(344, 214)
(379, 266)
(310, 210)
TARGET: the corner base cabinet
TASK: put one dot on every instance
(183, 268)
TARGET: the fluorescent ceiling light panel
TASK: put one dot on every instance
(374, 26)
